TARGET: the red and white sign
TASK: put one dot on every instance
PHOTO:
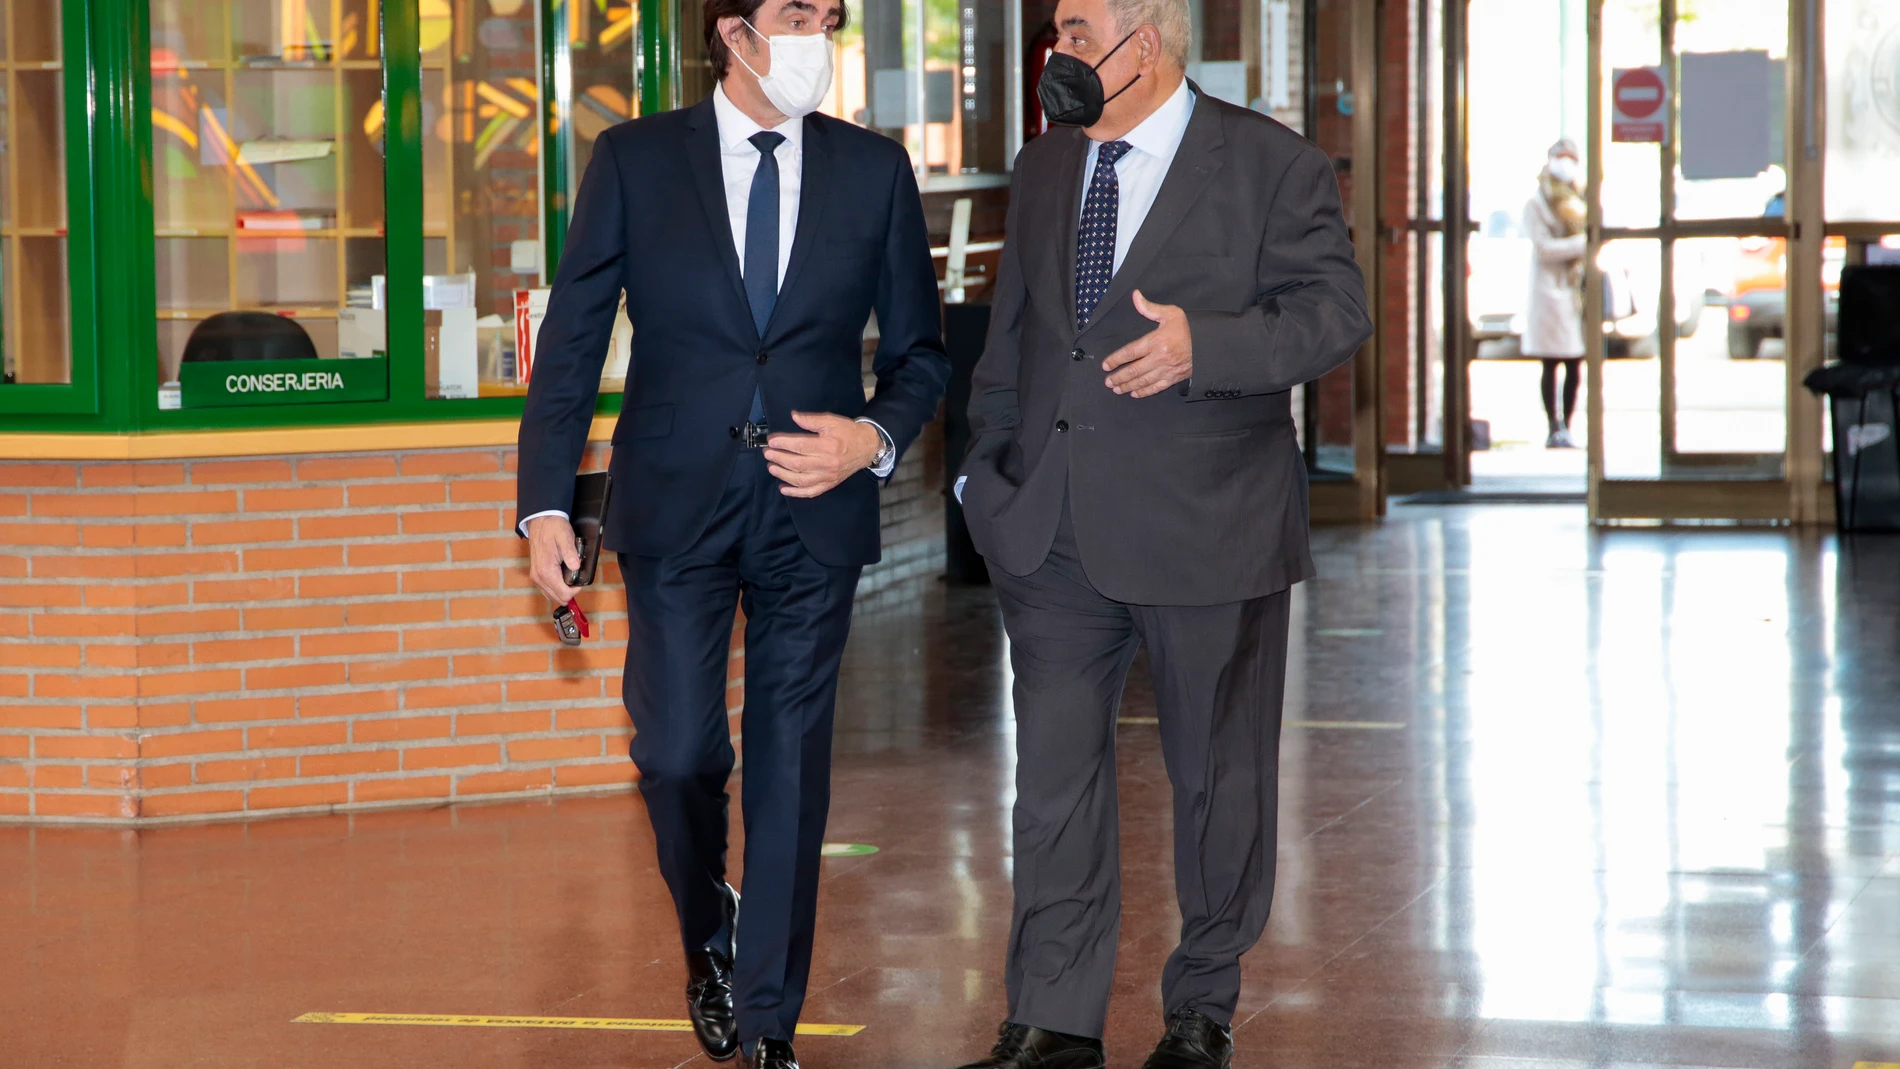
(530, 307)
(1639, 104)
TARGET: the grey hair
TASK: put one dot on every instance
(1169, 18)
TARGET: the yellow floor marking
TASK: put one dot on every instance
(1334, 725)
(624, 1024)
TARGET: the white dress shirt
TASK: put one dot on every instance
(1139, 174)
(738, 162)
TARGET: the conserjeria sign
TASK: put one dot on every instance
(283, 382)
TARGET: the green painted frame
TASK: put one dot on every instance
(80, 396)
(111, 236)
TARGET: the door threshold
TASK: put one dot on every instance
(1494, 497)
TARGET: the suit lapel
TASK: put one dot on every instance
(1195, 162)
(813, 191)
(1068, 214)
(702, 156)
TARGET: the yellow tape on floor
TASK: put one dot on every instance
(623, 1024)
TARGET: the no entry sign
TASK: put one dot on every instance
(1639, 104)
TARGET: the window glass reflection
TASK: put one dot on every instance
(36, 346)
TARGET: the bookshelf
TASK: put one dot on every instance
(33, 271)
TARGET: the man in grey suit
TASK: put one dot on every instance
(1174, 267)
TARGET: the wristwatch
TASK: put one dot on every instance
(886, 451)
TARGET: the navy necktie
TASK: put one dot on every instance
(1095, 239)
(761, 243)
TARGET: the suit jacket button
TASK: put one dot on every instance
(764, 356)
(1062, 426)
(1078, 355)
(734, 431)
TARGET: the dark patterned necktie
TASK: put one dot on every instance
(1095, 239)
(761, 243)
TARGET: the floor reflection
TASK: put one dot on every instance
(1644, 809)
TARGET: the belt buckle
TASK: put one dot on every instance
(754, 435)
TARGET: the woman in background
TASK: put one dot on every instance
(1553, 329)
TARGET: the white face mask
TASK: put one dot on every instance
(801, 71)
(1564, 169)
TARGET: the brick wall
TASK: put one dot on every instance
(181, 639)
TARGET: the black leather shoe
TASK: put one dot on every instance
(771, 1054)
(1193, 1041)
(1018, 1046)
(709, 1003)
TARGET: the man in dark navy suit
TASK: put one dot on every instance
(753, 239)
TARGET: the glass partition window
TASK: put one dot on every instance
(602, 40)
(1863, 110)
(33, 283)
(267, 180)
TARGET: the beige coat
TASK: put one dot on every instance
(1553, 317)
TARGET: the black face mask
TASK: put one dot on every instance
(1071, 90)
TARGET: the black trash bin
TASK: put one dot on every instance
(1865, 402)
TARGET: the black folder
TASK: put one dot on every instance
(589, 514)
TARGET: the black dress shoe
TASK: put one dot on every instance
(1018, 1046)
(1193, 1041)
(771, 1054)
(709, 1003)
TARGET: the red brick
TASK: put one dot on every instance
(527, 662)
(22, 715)
(192, 803)
(39, 534)
(325, 674)
(298, 559)
(248, 770)
(212, 591)
(457, 463)
(155, 595)
(502, 548)
(499, 608)
(299, 796)
(112, 536)
(210, 562)
(400, 729)
(215, 472)
(12, 504)
(452, 521)
(391, 613)
(50, 595)
(164, 714)
(111, 806)
(39, 474)
(302, 499)
(591, 716)
(56, 685)
(154, 535)
(347, 585)
(160, 777)
(596, 775)
(527, 779)
(348, 643)
(167, 684)
(15, 684)
(246, 532)
(187, 503)
(355, 703)
(398, 789)
(163, 654)
(453, 695)
(59, 777)
(15, 776)
(111, 717)
(354, 525)
(387, 554)
(288, 736)
(485, 753)
(84, 747)
(116, 596)
(349, 468)
(567, 749)
(449, 638)
(196, 621)
(189, 743)
(39, 655)
(20, 746)
(16, 567)
(482, 490)
(14, 625)
(225, 651)
(112, 777)
(294, 618)
(357, 763)
(402, 671)
(515, 723)
(389, 495)
(226, 710)
(15, 805)
(73, 505)
(446, 579)
(592, 657)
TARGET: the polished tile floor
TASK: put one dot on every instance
(1552, 797)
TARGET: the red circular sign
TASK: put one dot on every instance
(1638, 93)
